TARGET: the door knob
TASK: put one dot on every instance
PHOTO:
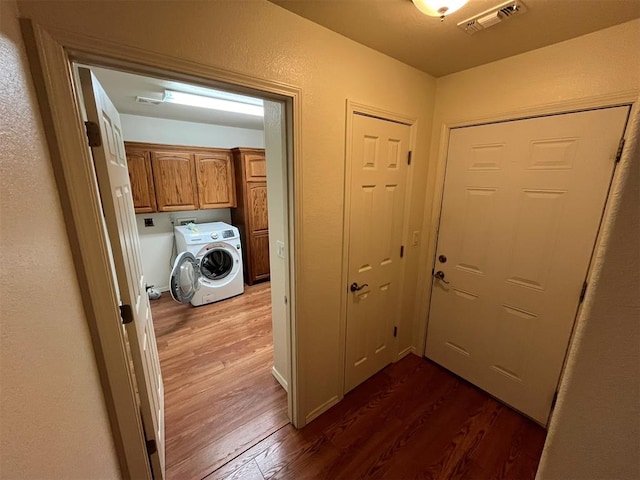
(440, 276)
(356, 288)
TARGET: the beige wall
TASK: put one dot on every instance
(276, 144)
(53, 421)
(599, 398)
(260, 39)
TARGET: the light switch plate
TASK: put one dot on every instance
(415, 240)
(280, 248)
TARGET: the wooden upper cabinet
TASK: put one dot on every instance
(174, 176)
(255, 165)
(171, 178)
(215, 176)
(141, 177)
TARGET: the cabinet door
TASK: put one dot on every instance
(260, 256)
(257, 207)
(141, 177)
(216, 186)
(174, 174)
(255, 166)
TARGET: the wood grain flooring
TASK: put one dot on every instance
(413, 420)
(220, 395)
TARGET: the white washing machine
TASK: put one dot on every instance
(208, 267)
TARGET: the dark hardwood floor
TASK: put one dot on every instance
(413, 420)
(220, 395)
(226, 416)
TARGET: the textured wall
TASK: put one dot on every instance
(595, 430)
(53, 422)
(260, 39)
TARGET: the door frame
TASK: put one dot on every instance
(355, 108)
(433, 202)
(51, 53)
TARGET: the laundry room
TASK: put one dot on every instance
(198, 173)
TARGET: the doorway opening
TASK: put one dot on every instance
(199, 189)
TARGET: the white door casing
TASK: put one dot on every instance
(520, 214)
(379, 155)
(115, 193)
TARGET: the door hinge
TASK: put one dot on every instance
(620, 148)
(555, 399)
(583, 292)
(151, 447)
(402, 251)
(126, 312)
(409, 157)
(395, 331)
(93, 134)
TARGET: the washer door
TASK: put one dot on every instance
(184, 278)
(216, 264)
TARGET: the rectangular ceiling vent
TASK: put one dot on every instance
(492, 16)
(148, 101)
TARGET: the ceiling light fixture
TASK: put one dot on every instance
(192, 100)
(438, 8)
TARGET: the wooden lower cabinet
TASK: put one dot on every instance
(260, 256)
(251, 216)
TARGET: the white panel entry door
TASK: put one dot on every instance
(379, 156)
(521, 209)
(117, 203)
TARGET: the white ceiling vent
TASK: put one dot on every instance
(149, 101)
(492, 16)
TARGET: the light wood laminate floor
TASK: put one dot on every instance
(220, 395)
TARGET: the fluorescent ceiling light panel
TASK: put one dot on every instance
(181, 98)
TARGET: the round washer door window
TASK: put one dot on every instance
(216, 264)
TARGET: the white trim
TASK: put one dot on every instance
(51, 53)
(405, 352)
(353, 108)
(281, 380)
(316, 412)
(435, 200)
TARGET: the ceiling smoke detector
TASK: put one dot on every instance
(492, 16)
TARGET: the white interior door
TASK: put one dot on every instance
(521, 209)
(117, 203)
(379, 156)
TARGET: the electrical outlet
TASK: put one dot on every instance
(415, 239)
(148, 222)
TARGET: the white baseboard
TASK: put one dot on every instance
(281, 380)
(406, 352)
(316, 412)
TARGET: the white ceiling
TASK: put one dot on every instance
(123, 88)
(398, 29)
